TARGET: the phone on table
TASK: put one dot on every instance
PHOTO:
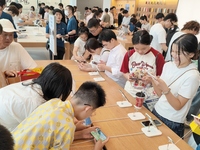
(147, 122)
(98, 134)
(195, 116)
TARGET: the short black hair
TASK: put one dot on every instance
(159, 15)
(42, 3)
(13, 9)
(133, 20)
(171, 16)
(57, 10)
(33, 8)
(107, 35)
(91, 93)
(143, 17)
(142, 37)
(124, 11)
(93, 22)
(71, 8)
(106, 9)
(46, 7)
(121, 9)
(86, 8)
(2, 3)
(6, 139)
(60, 4)
(92, 44)
(55, 81)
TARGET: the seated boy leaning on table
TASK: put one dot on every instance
(51, 125)
(117, 51)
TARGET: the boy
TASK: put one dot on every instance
(51, 125)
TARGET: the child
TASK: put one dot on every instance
(79, 44)
(51, 125)
(98, 54)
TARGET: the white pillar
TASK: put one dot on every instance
(107, 4)
(73, 2)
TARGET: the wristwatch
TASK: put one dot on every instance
(167, 92)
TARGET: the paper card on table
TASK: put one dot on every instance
(99, 79)
(136, 116)
(93, 73)
(168, 146)
(124, 104)
(151, 131)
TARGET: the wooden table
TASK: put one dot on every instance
(35, 37)
(124, 133)
(126, 41)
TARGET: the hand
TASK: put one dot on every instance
(100, 144)
(80, 58)
(197, 121)
(84, 66)
(11, 73)
(101, 66)
(85, 133)
(81, 126)
(160, 84)
(58, 36)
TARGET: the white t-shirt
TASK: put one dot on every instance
(102, 57)
(46, 16)
(186, 86)
(159, 36)
(80, 44)
(15, 57)
(17, 102)
(125, 21)
(174, 37)
(111, 18)
(146, 27)
(115, 60)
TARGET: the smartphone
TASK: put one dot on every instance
(146, 123)
(94, 62)
(98, 134)
(195, 116)
(154, 77)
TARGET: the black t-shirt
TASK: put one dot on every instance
(41, 12)
(138, 24)
(96, 37)
(120, 18)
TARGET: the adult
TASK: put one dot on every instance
(189, 27)
(55, 81)
(117, 51)
(159, 34)
(120, 17)
(32, 13)
(125, 21)
(6, 139)
(60, 35)
(41, 10)
(13, 57)
(105, 22)
(177, 84)
(4, 15)
(159, 17)
(111, 12)
(138, 61)
(145, 24)
(61, 7)
(13, 11)
(94, 28)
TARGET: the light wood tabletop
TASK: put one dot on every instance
(124, 133)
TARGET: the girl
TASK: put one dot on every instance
(79, 44)
(32, 13)
(60, 35)
(139, 60)
(98, 54)
(177, 84)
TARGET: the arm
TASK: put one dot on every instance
(84, 134)
(75, 50)
(164, 46)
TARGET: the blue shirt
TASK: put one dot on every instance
(132, 27)
(61, 29)
(9, 17)
(72, 24)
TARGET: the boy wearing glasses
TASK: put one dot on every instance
(51, 125)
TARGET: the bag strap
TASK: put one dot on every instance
(180, 76)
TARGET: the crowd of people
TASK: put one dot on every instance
(160, 49)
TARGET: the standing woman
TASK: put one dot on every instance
(32, 13)
(177, 84)
(60, 35)
(139, 60)
(145, 23)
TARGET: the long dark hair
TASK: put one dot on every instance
(142, 37)
(55, 81)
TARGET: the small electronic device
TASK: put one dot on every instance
(147, 122)
(154, 77)
(98, 134)
(195, 116)
(94, 62)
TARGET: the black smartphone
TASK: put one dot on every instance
(146, 123)
(94, 62)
